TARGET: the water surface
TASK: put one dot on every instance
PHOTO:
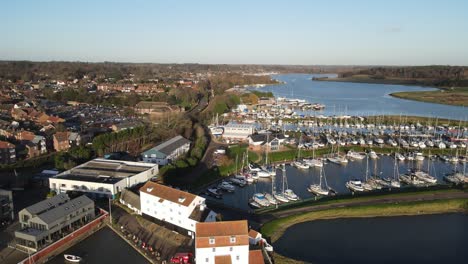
(408, 239)
(359, 99)
(104, 246)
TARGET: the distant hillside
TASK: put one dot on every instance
(438, 76)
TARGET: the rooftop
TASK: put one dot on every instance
(168, 146)
(168, 193)
(47, 204)
(256, 257)
(64, 209)
(104, 170)
(225, 228)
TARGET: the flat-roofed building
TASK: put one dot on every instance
(49, 219)
(225, 242)
(238, 131)
(175, 207)
(103, 177)
(167, 151)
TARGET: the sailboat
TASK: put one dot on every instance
(288, 193)
(317, 188)
(318, 163)
(299, 163)
(368, 185)
(337, 158)
(270, 197)
(424, 176)
(268, 168)
(457, 177)
(280, 196)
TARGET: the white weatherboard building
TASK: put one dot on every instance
(180, 209)
(167, 151)
(238, 131)
(225, 242)
(102, 177)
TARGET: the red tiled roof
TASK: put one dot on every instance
(256, 257)
(168, 193)
(6, 145)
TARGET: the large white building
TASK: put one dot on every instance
(167, 151)
(180, 209)
(225, 242)
(102, 177)
(235, 131)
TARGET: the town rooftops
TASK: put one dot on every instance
(59, 212)
(61, 136)
(239, 126)
(47, 204)
(168, 193)
(167, 147)
(104, 170)
(6, 145)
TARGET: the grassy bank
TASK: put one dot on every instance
(457, 96)
(365, 197)
(276, 228)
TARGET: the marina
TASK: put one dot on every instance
(337, 176)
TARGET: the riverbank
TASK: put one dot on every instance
(275, 228)
(457, 96)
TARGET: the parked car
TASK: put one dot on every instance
(185, 258)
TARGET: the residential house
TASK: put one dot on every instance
(47, 220)
(174, 208)
(270, 141)
(225, 242)
(167, 151)
(7, 152)
(65, 140)
(103, 177)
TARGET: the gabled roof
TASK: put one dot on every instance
(256, 257)
(131, 198)
(168, 193)
(63, 210)
(6, 145)
(225, 228)
(167, 147)
(47, 204)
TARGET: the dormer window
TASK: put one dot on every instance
(212, 241)
(232, 239)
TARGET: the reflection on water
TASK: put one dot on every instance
(336, 176)
(104, 246)
(359, 99)
(409, 239)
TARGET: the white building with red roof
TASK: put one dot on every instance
(225, 242)
(180, 209)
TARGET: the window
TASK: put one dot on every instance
(206, 260)
(232, 239)
(237, 257)
(212, 241)
(214, 249)
(230, 249)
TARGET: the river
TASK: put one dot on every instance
(359, 99)
(104, 246)
(336, 175)
(407, 239)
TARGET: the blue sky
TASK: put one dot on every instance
(264, 32)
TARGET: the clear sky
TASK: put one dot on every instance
(396, 32)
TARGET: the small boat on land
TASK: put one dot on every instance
(72, 258)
